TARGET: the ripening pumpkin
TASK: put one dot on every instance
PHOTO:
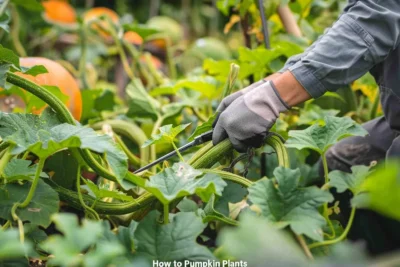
(156, 61)
(170, 28)
(57, 11)
(133, 38)
(96, 13)
(57, 76)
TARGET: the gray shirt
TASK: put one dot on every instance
(363, 36)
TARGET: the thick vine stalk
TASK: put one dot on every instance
(64, 115)
(131, 131)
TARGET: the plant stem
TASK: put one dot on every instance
(233, 73)
(120, 49)
(325, 187)
(15, 30)
(6, 225)
(35, 182)
(229, 177)
(325, 206)
(166, 213)
(85, 207)
(5, 159)
(133, 159)
(177, 151)
(303, 245)
(153, 153)
(341, 237)
(199, 115)
(170, 59)
(3, 146)
(131, 131)
(325, 165)
(64, 115)
(135, 55)
(3, 6)
(82, 60)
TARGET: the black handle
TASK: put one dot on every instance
(204, 137)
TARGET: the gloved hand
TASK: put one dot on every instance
(232, 97)
(247, 118)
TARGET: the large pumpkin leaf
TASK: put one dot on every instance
(167, 134)
(321, 138)
(183, 180)
(287, 205)
(11, 247)
(44, 136)
(141, 104)
(381, 191)
(44, 203)
(20, 169)
(352, 181)
(67, 249)
(312, 114)
(259, 244)
(173, 241)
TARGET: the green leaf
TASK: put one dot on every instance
(314, 114)
(352, 181)
(225, 5)
(11, 247)
(76, 239)
(218, 207)
(288, 205)
(103, 193)
(321, 138)
(143, 30)
(4, 67)
(381, 191)
(32, 5)
(206, 126)
(35, 70)
(258, 243)
(9, 57)
(64, 167)
(206, 86)
(141, 104)
(104, 255)
(187, 205)
(182, 180)
(44, 136)
(44, 203)
(20, 169)
(173, 241)
(4, 21)
(167, 134)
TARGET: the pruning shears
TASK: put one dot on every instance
(198, 140)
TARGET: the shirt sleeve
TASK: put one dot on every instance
(362, 37)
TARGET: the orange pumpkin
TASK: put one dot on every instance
(133, 38)
(96, 13)
(156, 62)
(57, 76)
(59, 12)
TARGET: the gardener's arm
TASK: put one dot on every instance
(362, 37)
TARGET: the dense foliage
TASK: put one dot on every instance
(107, 90)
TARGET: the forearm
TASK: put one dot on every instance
(289, 89)
(361, 38)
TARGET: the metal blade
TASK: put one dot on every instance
(167, 156)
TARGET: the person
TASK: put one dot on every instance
(365, 38)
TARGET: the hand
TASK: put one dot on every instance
(229, 99)
(248, 118)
